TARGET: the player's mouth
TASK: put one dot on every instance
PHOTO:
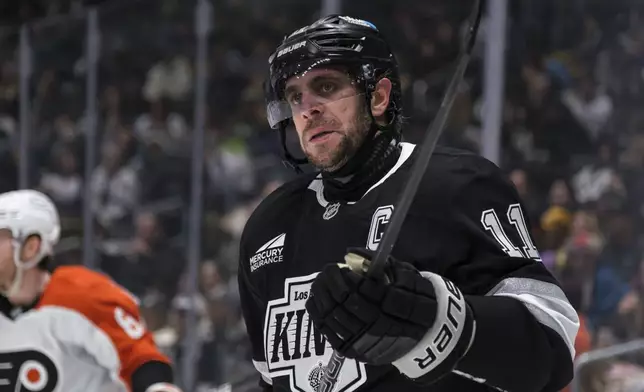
(320, 135)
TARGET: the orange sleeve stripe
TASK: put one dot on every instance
(110, 308)
(583, 341)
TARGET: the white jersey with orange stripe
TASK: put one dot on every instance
(85, 334)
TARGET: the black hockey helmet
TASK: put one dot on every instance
(354, 44)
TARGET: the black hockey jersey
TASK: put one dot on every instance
(466, 223)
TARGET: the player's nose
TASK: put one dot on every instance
(311, 106)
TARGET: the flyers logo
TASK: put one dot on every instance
(28, 371)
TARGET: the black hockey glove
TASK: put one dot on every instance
(418, 322)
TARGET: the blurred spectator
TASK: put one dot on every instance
(64, 184)
(230, 172)
(151, 261)
(555, 222)
(211, 283)
(169, 79)
(615, 302)
(590, 107)
(209, 365)
(595, 178)
(163, 127)
(115, 187)
(530, 199)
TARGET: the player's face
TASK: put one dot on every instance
(7, 266)
(329, 116)
(32, 278)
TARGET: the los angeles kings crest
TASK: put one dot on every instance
(294, 348)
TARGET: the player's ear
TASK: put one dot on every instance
(30, 248)
(380, 97)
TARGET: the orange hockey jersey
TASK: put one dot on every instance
(85, 334)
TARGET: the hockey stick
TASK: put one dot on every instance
(436, 128)
(331, 372)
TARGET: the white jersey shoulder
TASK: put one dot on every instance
(45, 350)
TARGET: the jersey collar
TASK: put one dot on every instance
(317, 185)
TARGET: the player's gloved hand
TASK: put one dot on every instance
(419, 322)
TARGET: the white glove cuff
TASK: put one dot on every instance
(163, 387)
(444, 336)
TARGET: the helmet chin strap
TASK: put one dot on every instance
(21, 267)
(289, 160)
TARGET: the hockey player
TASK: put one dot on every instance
(466, 304)
(73, 330)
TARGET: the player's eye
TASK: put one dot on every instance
(327, 87)
(294, 98)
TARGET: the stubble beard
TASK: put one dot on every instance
(332, 158)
